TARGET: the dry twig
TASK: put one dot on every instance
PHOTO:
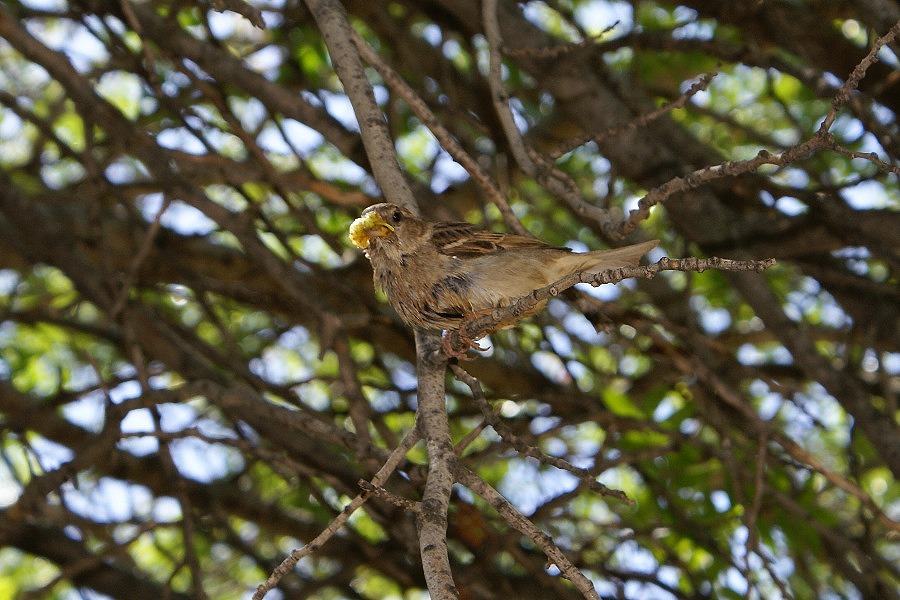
(485, 324)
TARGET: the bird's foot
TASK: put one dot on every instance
(456, 344)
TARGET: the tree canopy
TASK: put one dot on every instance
(199, 381)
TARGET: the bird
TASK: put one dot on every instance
(439, 275)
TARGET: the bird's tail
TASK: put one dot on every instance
(601, 260)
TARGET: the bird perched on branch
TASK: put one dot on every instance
(438, 275)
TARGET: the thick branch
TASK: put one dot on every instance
(332, 21)
(433, 421)
(447, 140)
(434, 426)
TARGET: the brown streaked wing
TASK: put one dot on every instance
(465, 240)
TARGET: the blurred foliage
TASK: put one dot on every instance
(195, 369)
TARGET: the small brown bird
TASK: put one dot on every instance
(438, 275)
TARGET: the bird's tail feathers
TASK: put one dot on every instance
(601, 260)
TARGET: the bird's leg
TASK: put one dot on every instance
(448, 346)
(467, 342)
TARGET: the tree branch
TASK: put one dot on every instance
(433, 422)
(446, 139)
(520, 523)
(332, 20)
(588, 478)
(479, 327)
(434, 426)
(377, 481)
(820, 140)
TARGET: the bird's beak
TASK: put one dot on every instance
(366, 227)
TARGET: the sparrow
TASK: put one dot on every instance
(438, 275)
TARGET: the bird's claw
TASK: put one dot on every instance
(453, 350)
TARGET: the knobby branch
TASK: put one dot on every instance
(487, 323)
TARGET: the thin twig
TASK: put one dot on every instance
(523, 525)
(641, 121)
(444, 137)
(491, 418)
(820, 140)
(532, 163)
(378, 480)
(142, 254)
(859, 71)
(559, 49)
(379, 492)
(477, 328)
(696, 368)
(499, 96)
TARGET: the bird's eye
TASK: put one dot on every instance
(397, 216)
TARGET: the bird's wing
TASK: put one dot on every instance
(465, 240)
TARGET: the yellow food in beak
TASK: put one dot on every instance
(366, 227)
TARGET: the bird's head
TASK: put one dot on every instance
(388, 227)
